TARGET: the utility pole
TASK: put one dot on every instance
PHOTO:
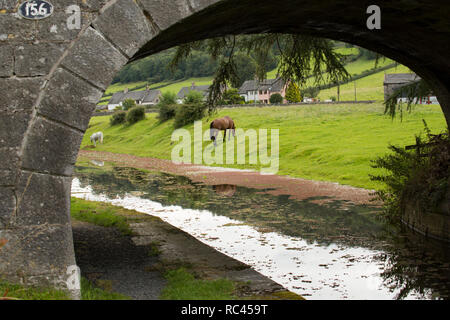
(354, 83)
(338, 92)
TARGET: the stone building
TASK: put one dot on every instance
(142, 98)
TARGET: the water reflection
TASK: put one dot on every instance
(342, 245)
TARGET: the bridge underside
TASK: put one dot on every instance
(52, 76)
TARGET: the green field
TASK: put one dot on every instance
(367, 88)
(320, 142)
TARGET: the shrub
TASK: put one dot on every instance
(276, 98)
(118, 118)
(135, 114)
(167, 112)
(167, 106)
(127, 104)
(420, 175)
(293, 93)
(188, 113)
(193, 97)
(333, 98)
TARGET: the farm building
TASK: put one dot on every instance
(254, 90)
(143, 97)
(392, 81)
(185, 91)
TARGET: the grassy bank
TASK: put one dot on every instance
(320, 142)
(88, 292)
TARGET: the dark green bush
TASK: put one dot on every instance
(167, 106)
(127, 104)
(118, 118)
(135, 114)
(167, 111)
(418, 175)
(276, 98)
(188, 113)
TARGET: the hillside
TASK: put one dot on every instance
(321, 142)
(367, 88)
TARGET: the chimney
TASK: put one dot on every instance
(147, 87)
(125, 90)
(193, 85)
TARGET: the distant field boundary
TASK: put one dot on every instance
(260, 105)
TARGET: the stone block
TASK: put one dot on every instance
(158, 9)
(19, 94)
(9, 158)
(69, 99)
(15, 28)
(95, 59)
(85, 5)
(37, 252)
(55, 27)
(42, 199)
(179, 9)
(13, 126)
(6, 60)
(8, 201)
(37, 59)
(8, 4)
(51, 148)
(134, 30)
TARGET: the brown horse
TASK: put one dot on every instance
(221, 124)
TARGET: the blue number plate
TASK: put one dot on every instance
(36, 9)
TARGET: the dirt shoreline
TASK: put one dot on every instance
(297, 188)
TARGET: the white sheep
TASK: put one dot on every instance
(98, 136)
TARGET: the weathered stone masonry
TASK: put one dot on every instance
(51, 77)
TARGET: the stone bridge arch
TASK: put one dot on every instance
(52, 76)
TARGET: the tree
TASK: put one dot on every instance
(193, 97)
(128, 104)
(311, 92)
(276, 98)
(167, 98)
(231, 96)
(293, 93)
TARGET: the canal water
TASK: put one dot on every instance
(333, 250)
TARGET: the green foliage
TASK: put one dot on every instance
(276, 98)
(90, 292)
(333, 98)
(188, 113)
(10, 291)
(311, 92)
(135, 114)
(99, 214)
(167, 111)
(231, 96)
(167, 106)
(127, 104)
(193, 97)
(293, 93)
(118, 118)
(418, 175)
(182, 285)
